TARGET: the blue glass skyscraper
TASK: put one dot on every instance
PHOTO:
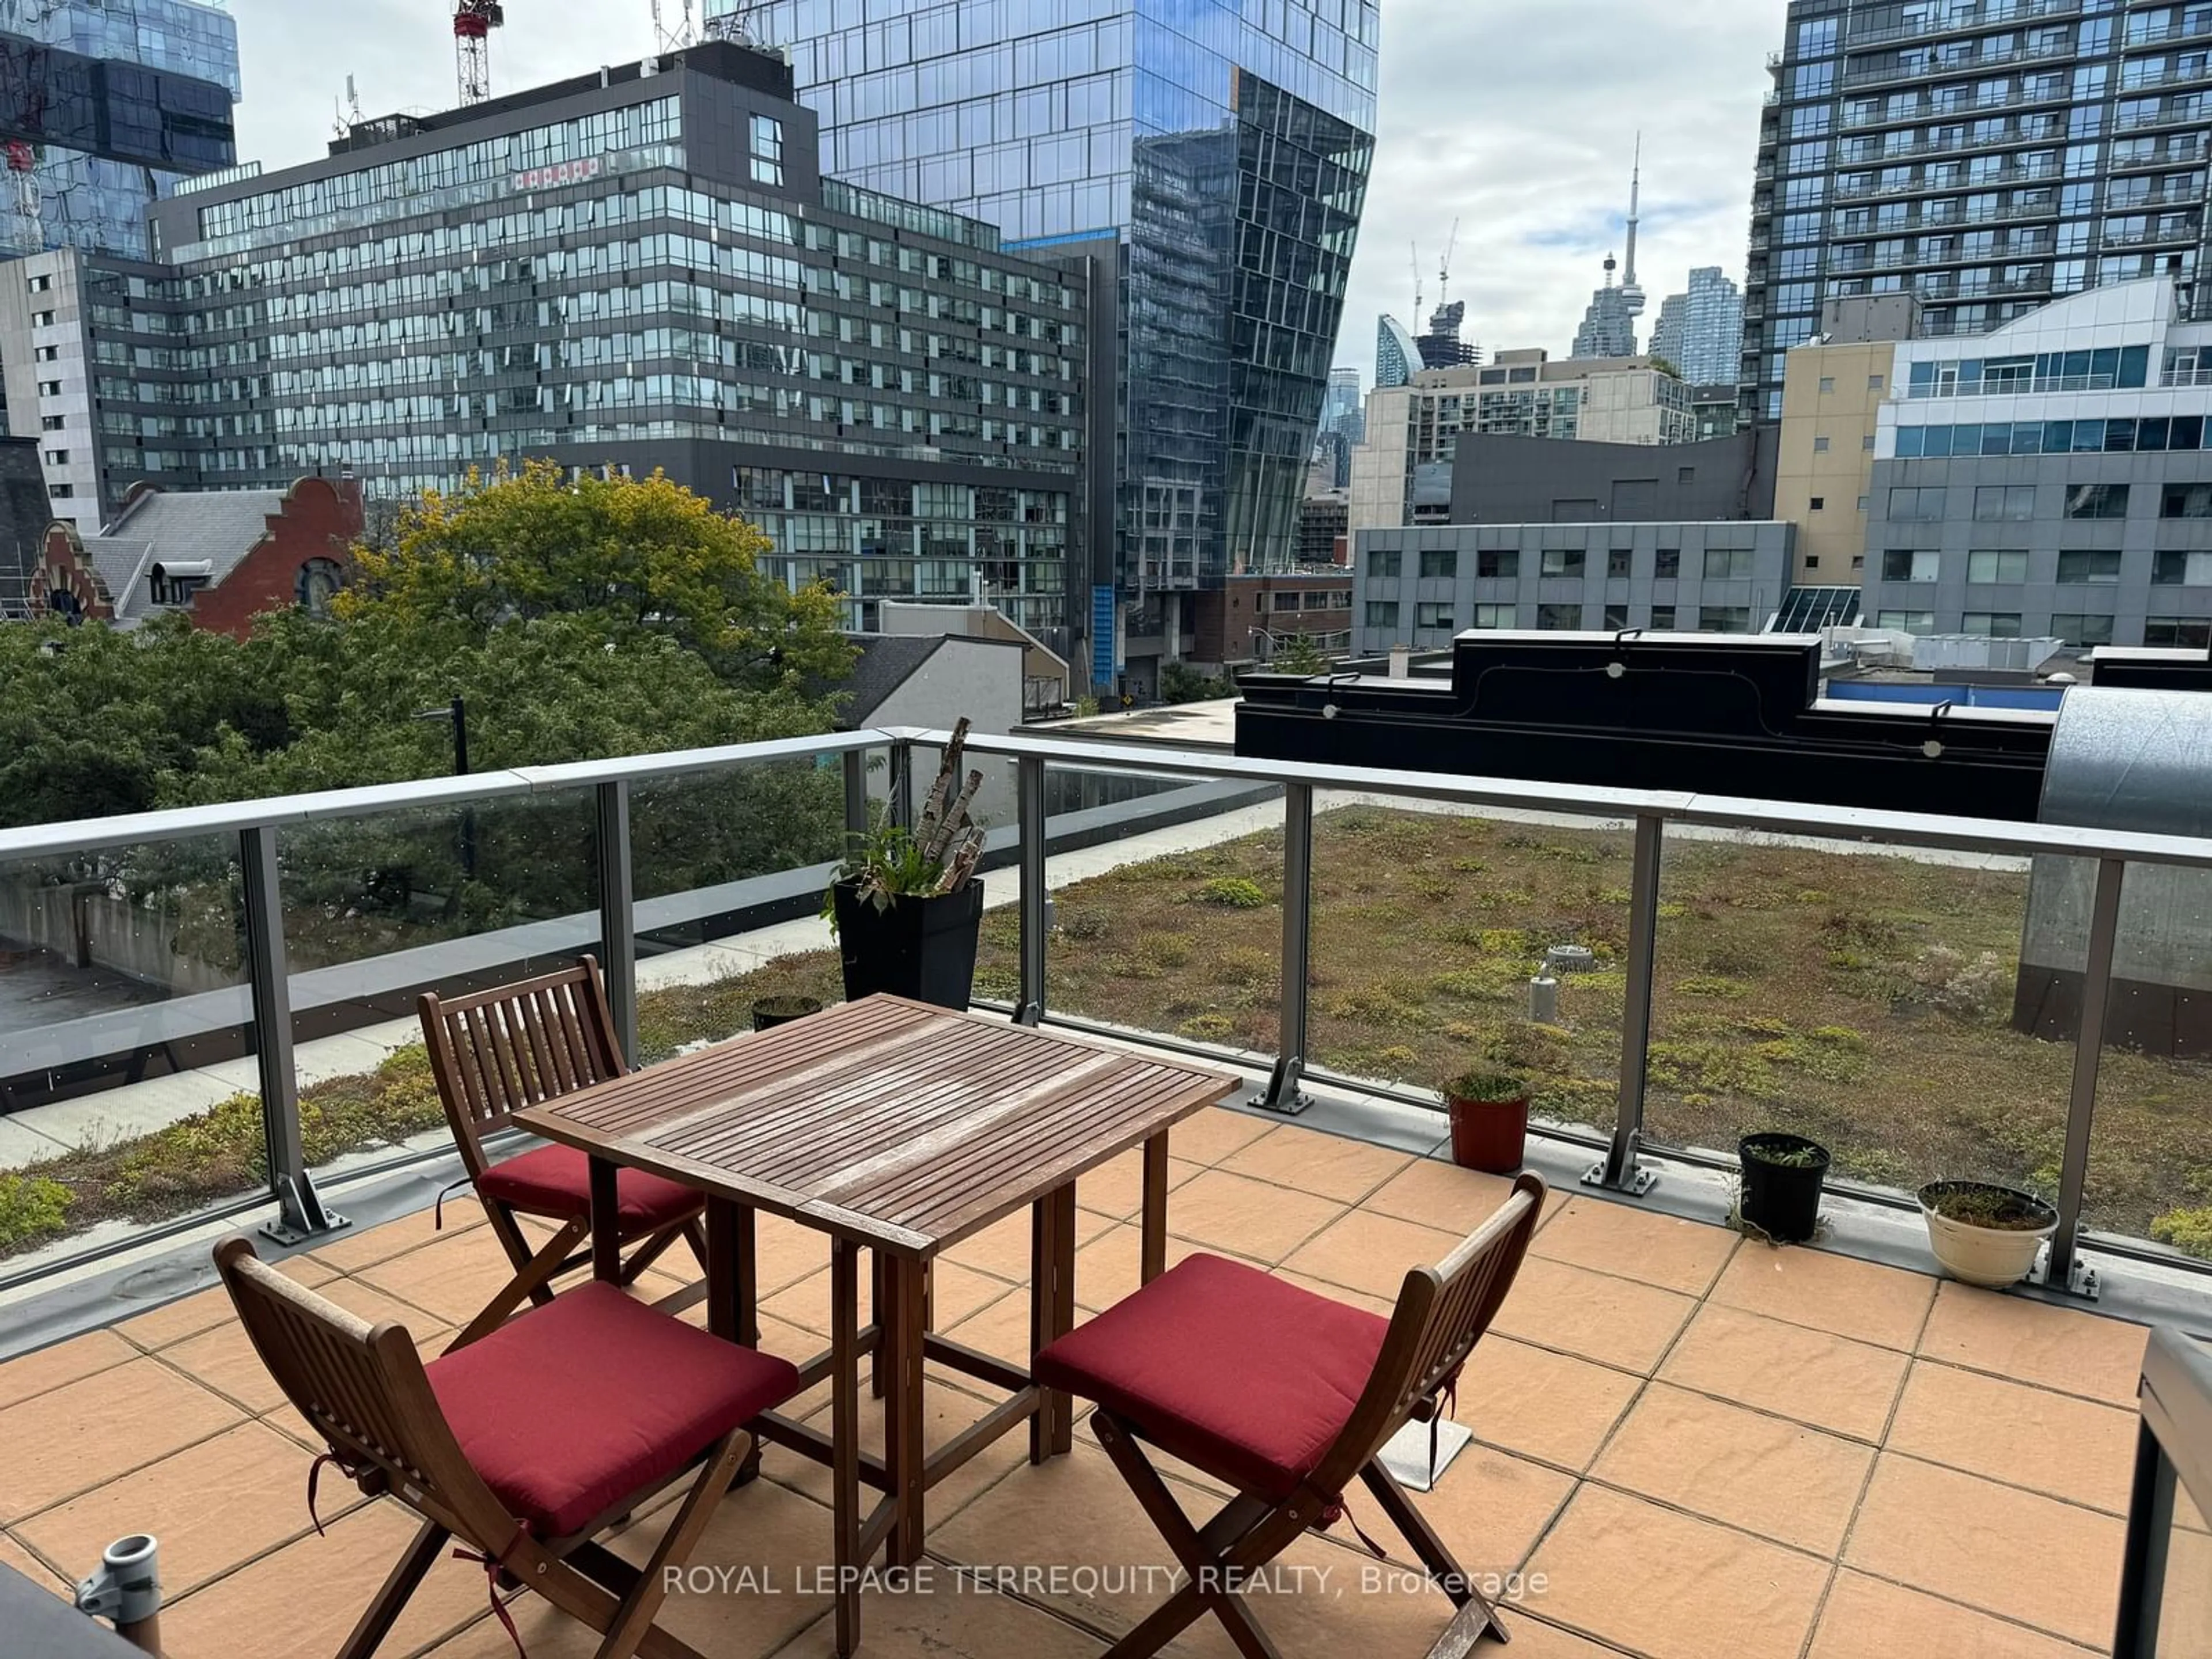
(1217, 151)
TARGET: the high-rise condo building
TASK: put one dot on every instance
(1397, 353)
(1219, 151)
(1986, 157)
(1700, 331)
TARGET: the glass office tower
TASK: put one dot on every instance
(1985, 155)
(1217, 151)
(71, 197)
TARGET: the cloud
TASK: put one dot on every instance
(1515, 117)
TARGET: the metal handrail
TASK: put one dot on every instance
(1651, 814)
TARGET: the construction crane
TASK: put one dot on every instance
(1444, 276)
(1417, 282)
(473, 22)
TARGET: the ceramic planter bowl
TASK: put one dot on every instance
(1992, 1257)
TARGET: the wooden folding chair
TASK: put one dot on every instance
(523, 1446)
(520, 1045)
(1286, 1397)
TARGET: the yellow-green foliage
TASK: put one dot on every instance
(1233, 893)
(32, 1207)
(2187, 1231)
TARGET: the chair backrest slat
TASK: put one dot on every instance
(361, 1388)
(496, 1052)
(1441, 1313)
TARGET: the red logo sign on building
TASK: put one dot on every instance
(560, 173)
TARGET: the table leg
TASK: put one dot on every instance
(845, 1438)
(732, 1313)
(903, 1409)
(606, 1223)
(1155, 1257)
(1052, 1313)
(880, 1295)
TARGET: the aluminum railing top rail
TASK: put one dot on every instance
(65, 839)
(1723, 812)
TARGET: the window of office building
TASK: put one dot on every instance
(1909, 565)
(1563, 561)
(1724, 619)
(2102, 567)
(2182, 633)
(1439, 562)
(2186, 501)
(1559, 617)
(1991, 624)
(1438, 614)
(1619, 562)
(1906, 622)
(1381, 613)
(1915, 504)
(1385, 564)
(1994, 567)
(1502, 564)
(767, 150)
(2175, 570)
(1667, 563)
(2079, 627)
(2000, 504)
(1495, 616)
(1662, 617)
(2096, 500)
(1616, 617)
(1728, 564)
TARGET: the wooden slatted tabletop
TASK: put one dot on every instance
(899, 1125)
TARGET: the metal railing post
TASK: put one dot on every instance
(1620, 1172)
(856, 792)
(902, 801)
(2064, 1271)
(1037, 915)
(301, 1214)
(1284, 1093)
(617, 914)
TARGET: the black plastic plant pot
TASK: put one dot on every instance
(1782, 1177)
(924, 949)
(772, 1011)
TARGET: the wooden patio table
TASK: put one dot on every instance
(899, 1129)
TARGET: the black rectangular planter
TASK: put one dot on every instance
(924, 949)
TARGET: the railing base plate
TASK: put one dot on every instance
(2081, 1280)
(1640, 1180)
(301, 1216)
(1292, 1104)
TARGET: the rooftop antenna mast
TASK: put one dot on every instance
(675, 38)
(736, 26)
(473, 22)
(349, 115)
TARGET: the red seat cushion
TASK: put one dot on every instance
(557, 1181)
(1225, 1367)
(593, 1398)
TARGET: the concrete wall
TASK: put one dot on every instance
(1832, 396)
(1513, 480)
(981, 679)
(88, 928)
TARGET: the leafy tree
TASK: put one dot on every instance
(1180, 683)
(1299, 655)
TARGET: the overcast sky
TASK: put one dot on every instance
(1516, 117)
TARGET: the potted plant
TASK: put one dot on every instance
(1985, 1234)
(907, 904)
(1782, 1176)
(1489, 1121)
(772, 1011)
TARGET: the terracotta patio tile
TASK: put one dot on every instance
(1861, 1300)
(1002, 1328)
(1543, 1405)
(1765, 1474)
(2030, 1341)
(1615, 1321)
(304, 1598)
(2007, 1552)
(1439, 1194)
(1535, 1639)
(1330, 1166)
(212, 1505)
(1111, 1266)
(1351, 1298)
(1490, 1509)
(1867, 1615)
(948, 1624)
(454, 1279)
(1323, 1602)
(224, 1359)
(1244, 1216)
(1116, 1190)
(203, 1310)
(2049, 1443)
(1214, 1133)
(947, 1411)
(1002, 1250)
(2185, 1618)
(63, 1362)
(86, 1433)
(1670, 1586)
(1659, 1249)
(1830, 1381)
(364, 1247)
(14, 1555)
(1363, 1251)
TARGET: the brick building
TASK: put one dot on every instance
(1249, 617)
(222, 558)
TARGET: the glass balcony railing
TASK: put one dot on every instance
(210, 1011)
